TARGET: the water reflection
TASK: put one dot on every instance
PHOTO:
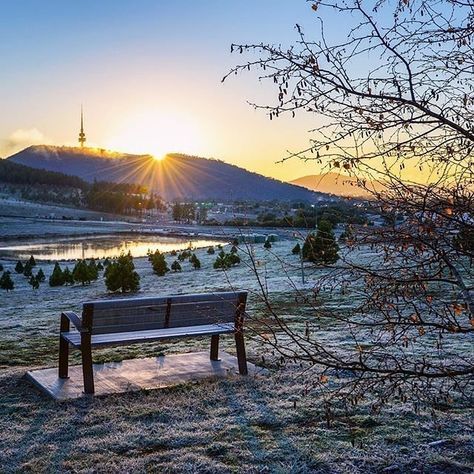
(101, 247)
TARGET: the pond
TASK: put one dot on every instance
(100, 246)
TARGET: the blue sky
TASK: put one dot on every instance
(130, 62)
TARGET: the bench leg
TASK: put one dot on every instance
(241, 357)
(63, 358)
(87, 369)
(215, 347)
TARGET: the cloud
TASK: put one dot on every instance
(20, 139)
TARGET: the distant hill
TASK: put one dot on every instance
(334, 183)
(176, 176)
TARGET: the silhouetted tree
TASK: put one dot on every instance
(410, 106)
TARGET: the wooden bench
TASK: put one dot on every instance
(137, 320)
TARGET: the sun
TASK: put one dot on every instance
(156, 134)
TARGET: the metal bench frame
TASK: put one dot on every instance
(83, 338)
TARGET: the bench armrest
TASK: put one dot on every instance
(70, 316)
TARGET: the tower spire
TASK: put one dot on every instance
(82, 135)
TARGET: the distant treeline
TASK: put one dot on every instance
(121, 198)
(50, 186)
(306, 217)
(14, 173)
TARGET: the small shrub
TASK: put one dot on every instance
(40, 276)
(211, 250)
(296, 249)
(267, 245)
(32, 262)
(175, 266)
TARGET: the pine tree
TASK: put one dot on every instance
(226, 260)
(296, 249)
(211, 250)
(100, 267)
(347, 235)
(81, 272)
(57, 277)
(1, 267)
(233, 249)
(6, 282)
(158, 263)
(40, 276)
(93, 270)
(32, 261)
(67, 277)
(33, 281)
(184, 255)
(196, 263)
(19, 268)
(322, 248)
(120, 275)
(173, 253)
(175, 266)
(27, 269)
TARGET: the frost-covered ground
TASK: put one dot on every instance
(260, 424)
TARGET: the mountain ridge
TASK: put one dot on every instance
(336, 184)
(177, 176)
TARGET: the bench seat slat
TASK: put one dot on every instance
(150, 335)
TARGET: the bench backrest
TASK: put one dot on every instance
(140, 314)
